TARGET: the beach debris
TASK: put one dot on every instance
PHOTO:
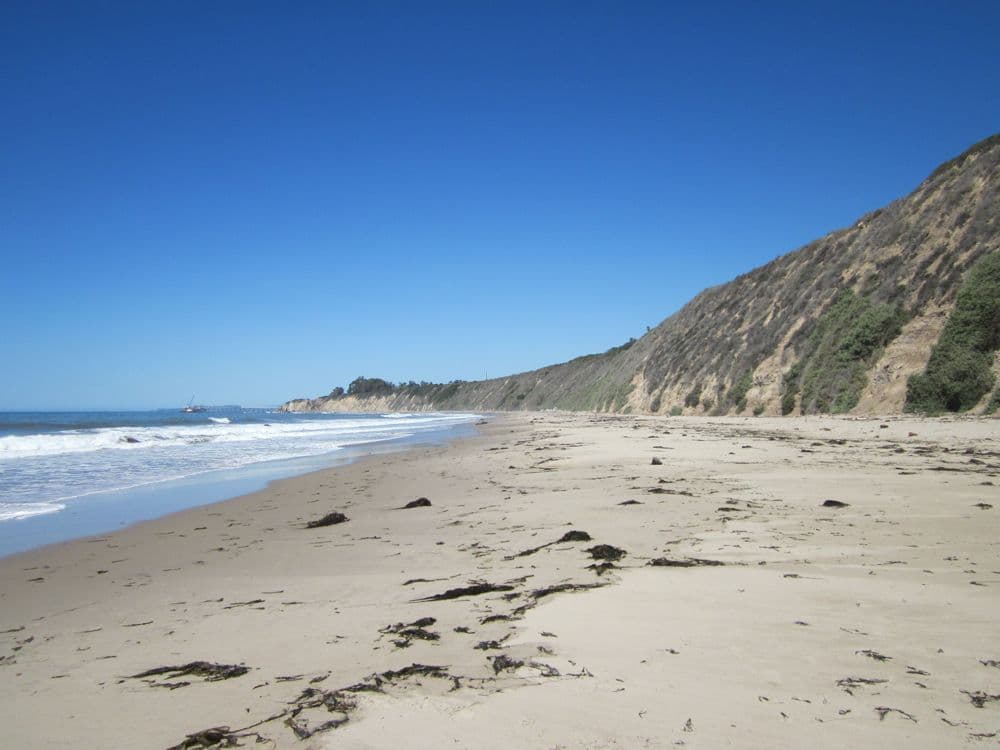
(329, 519)
(420, 670)
(834, 504)
(490, 645)
(560, 588)
(665, 491)
(873, 655)
(883, 711)
(602, 567)
(503, 663)
(494, 618)
(630, 502)
(569, 536)
(209, 738)
(408, 632)
(656, 462)
(209, 671)
(849, 683)
(422, 580)
(420, 502)
(982, 506)
(249, 603)
(990, 663)
(476, 589)
(606, 552)
(980, 698)
(314, 704)
(690, 562)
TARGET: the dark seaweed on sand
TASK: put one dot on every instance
(606, 552)
(328, 520)
(474, 590)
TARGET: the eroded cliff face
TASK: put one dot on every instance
(779, 338)
(356, 405)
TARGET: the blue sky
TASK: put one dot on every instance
(252, 202)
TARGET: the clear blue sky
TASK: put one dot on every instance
(252, 202)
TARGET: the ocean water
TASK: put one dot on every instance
(57, 465)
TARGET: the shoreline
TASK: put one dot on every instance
(752, 651)
(106, 512)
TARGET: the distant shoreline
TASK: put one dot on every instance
(107, 512)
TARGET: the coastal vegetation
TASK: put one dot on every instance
(959, 372)
(832, 370)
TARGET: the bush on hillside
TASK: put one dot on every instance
(693, 397)
(843, 344)
(738, 393)
(959, 372)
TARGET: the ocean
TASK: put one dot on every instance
(68, 474)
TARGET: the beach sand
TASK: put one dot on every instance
(771, 620)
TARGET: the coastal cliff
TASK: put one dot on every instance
(900, 311)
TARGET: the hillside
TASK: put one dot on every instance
(839, 325)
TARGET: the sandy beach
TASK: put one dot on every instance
(575, 581)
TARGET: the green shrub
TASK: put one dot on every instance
(843, 344)
(994, 403)
(788, 403)
(676, 411)
(738, 393)
(758, 410)
(693, 397)
(959, 372)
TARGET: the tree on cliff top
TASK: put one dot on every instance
(362, 387)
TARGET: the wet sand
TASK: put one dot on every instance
(710, 596)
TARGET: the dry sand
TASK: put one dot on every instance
(870, 625)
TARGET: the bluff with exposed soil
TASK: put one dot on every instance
(839, 325)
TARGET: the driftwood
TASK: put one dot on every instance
(420, 502)
(834, 504)
(329, 519)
